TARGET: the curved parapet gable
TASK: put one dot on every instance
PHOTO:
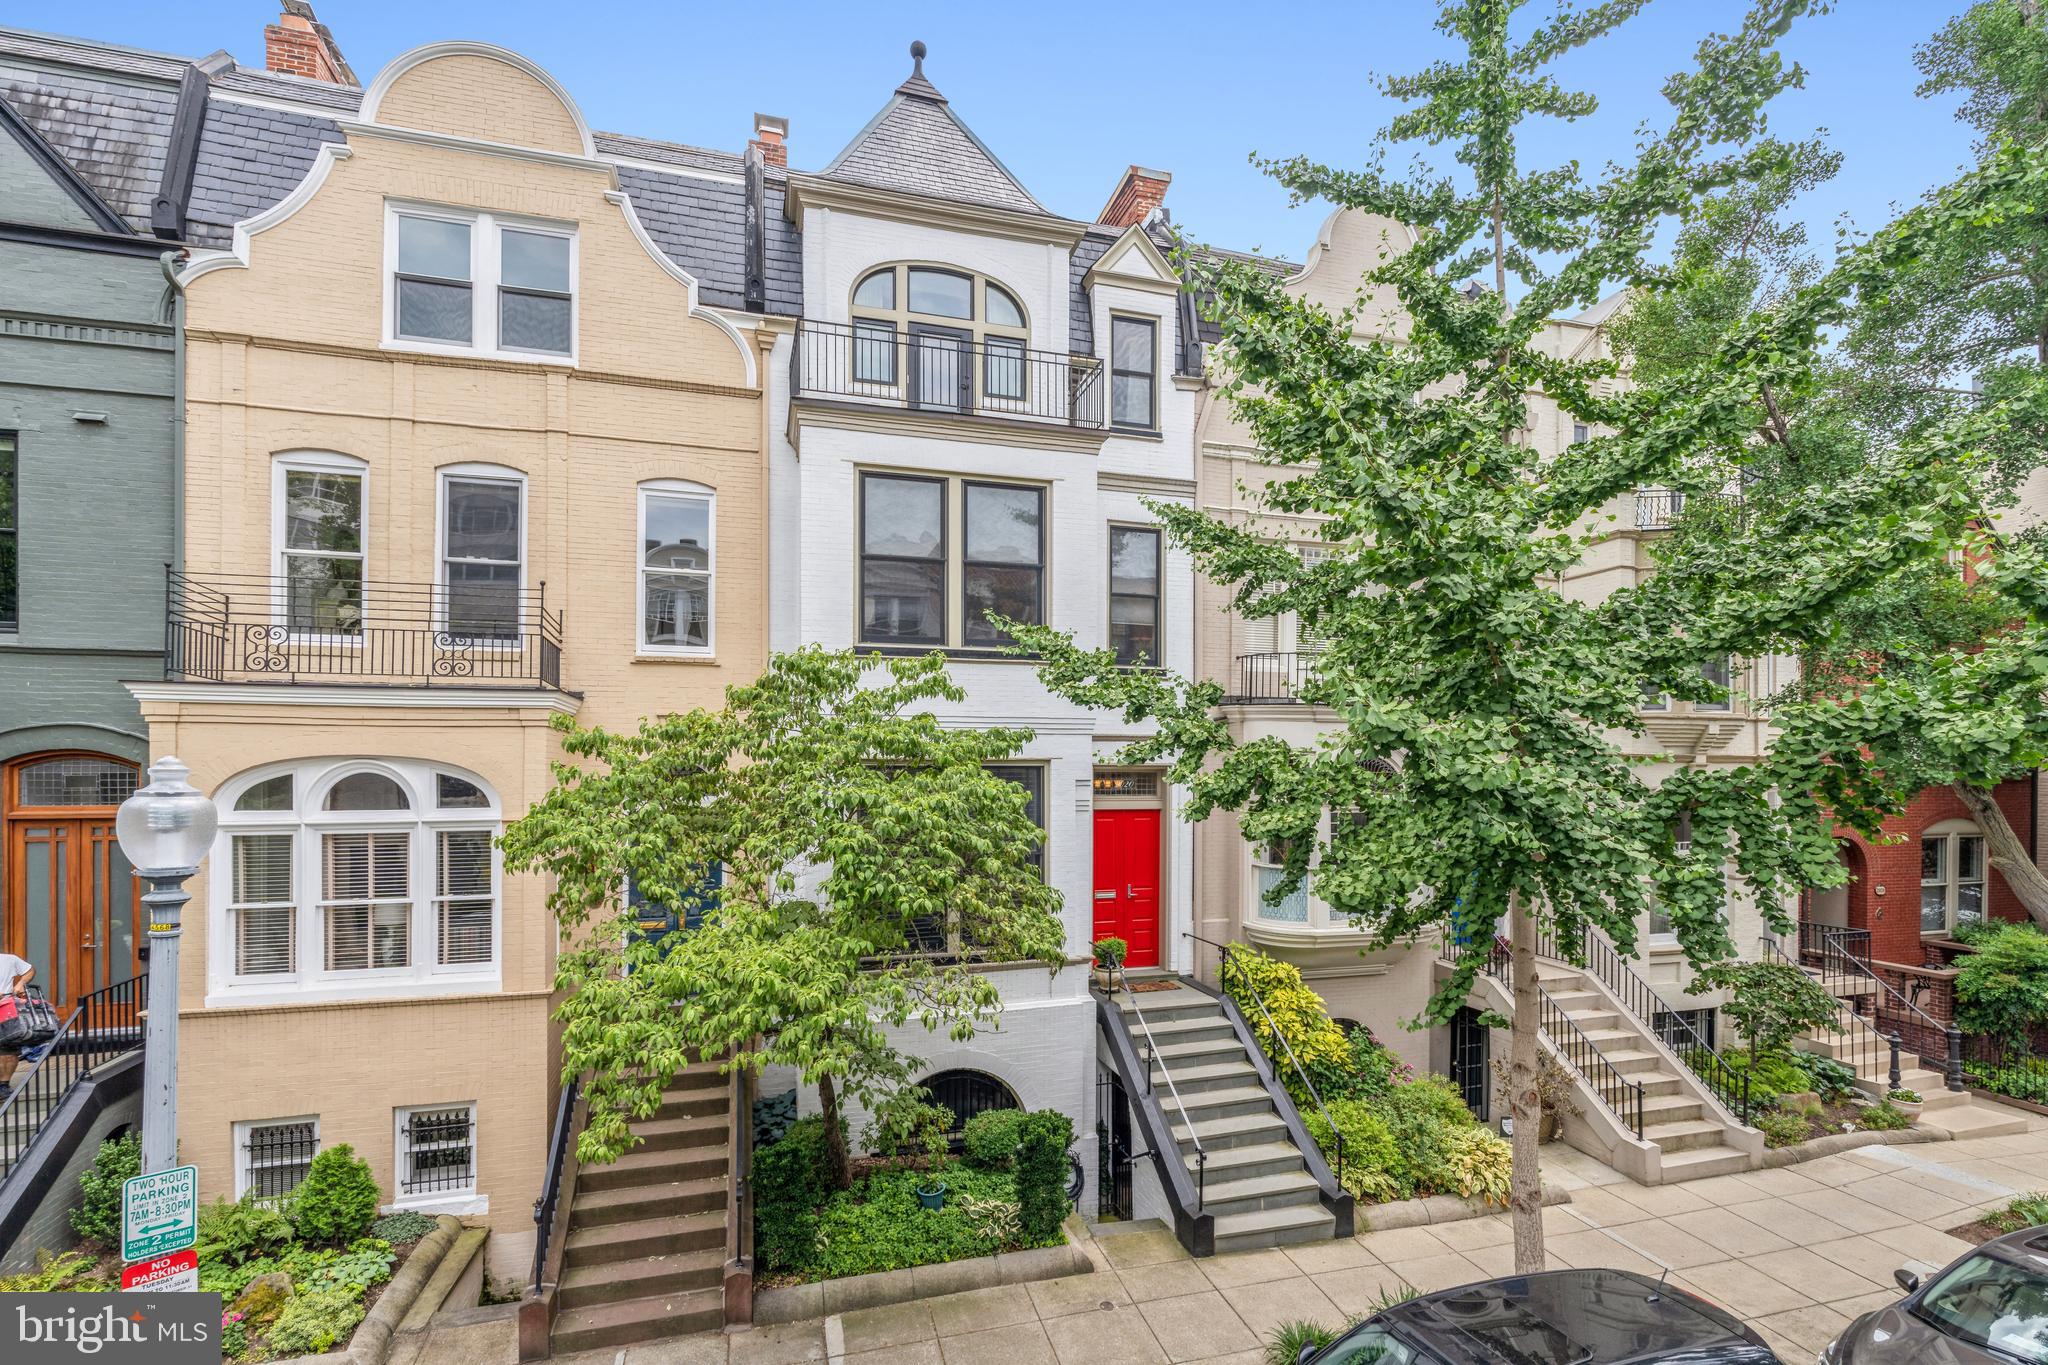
(458, 89)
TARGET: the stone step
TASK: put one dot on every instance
(1590, 1020)
(1697, 1163)
(1249, 1161)
(639, 1221)
(1183, 1003)
(636, 1320)
(1240, 1131)
(1682, 1135)
(1171, 1032)
(1606, 1038)
(1205, 1106)
(679, 1104)
(668, 1134)
(1669, 1108)
(667, 1199)
(1197, 1052)
(1980, 1119)
(696, 1149)
(1252, 1193)
(642, 1278)
(1287, 1226)
(1228, 1075)
(1634, 1062)
(1656, 1084)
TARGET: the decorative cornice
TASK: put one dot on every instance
(456, 142)
(43, 327)
(808, 190)
(998, 431)
(383, 698)
(1145, 483)
(1108, 267)
(237, 256)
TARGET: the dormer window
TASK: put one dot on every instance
(940, 333)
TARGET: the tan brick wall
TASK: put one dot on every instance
(480, 97)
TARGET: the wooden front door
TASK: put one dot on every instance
(1127, 881)
(72, 903)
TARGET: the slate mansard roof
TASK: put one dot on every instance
(916, 144)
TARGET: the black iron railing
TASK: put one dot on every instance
(1272, 677)
(1873, 1012)
(1659, 509)
(2004, 1066)
(1641, 999)
(334, 627)
(1819, 943)
(102, 1026)
(944, 372)
(1622, 1096)
(1153, 1057)
(551, 1181)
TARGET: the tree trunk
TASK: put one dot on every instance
(836, 1159)
(2008, 853)
(1525, 1189)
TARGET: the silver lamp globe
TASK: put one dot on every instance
(164, 829)
(168, 824)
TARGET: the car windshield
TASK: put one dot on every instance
(1994, 1303)
(1372, 1346)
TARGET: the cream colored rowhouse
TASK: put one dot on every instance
(464, 453)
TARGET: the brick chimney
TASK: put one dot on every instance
(298, 44)
(1137, 194)
(771, 139)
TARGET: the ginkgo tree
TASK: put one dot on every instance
(1449, 645)
(852, 831)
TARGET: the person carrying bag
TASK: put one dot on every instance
(14, 1026)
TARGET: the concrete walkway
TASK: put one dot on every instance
(1797, 1252)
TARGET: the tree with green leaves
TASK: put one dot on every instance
(850, 826)
(1450, 645)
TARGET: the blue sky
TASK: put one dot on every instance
(1069, 94)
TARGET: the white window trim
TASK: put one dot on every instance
(458, 1202)
(314, 462)
(484, 283)
(676, 488)
(476, 473)
(239, 1134)
(1952, 833)
(310, 982)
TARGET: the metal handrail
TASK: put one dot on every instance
(1152, 1055)
(103, 1025)
(1223, 975)
(551, 1183)
(1622, 1096)
(1641, 999)
(1891, 1012)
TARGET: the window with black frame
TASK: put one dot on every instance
(902, 559)
(438, 1150)
(932, 933)
(1134, 590)
(1003, 560)
(1133, 368)
(276, 1156)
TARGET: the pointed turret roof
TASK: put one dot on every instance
(916, 144)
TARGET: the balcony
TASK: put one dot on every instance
(1271, 677)
(944, 373)
(335, 629)
(1659, 509)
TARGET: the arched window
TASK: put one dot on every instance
(348, 877)
(968, 1093)
(944, 332)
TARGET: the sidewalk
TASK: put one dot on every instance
(1796, 1252)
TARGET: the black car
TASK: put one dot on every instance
(1560, 1317)
(1987, 1306)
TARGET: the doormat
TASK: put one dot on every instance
(1142, 987)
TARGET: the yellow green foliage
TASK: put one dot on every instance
(1298, 1015)
(1480, 1165)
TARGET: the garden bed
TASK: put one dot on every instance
(2029, 1210)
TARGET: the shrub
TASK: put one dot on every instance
(367, 1261)
(1833, 1081)
(70, 1273)
(1481, 1166)
(2002, 988)
(1300, 1017)
(312, 1322)
(1903, 1096)
(1771, 1003)
(989, 1141)
(996, 1220)
(337, 1202)
(1042, 1173)
(400, 1228)
(1371, 1161)
(790, 1183)
(1769, 1077)
(2027, 1211)
(1286, 1342)
(2023, 1078)
(1424, 1116)
(1110, 952)
(98, 1215)
(878, 1224)
(233, 1233)
(1783, 1130)
(1883, 1117)
(228, 1281)
(1374, 1068)
(234, 1335)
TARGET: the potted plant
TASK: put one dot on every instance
(1907, 1102)
(1554, 1095)
(931, 1191)
(1109, 956)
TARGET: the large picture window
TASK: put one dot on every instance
(917, 588)
(1134, 590)
(676, 568)
(339, 878)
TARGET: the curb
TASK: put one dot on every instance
(371, 1342)
(1437, 1208)
(795, 1303)
(1846, 1142)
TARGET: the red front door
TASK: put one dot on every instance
(1127, 881)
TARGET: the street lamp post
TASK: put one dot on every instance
(164, 830)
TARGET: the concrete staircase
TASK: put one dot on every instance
(1255, 1184)
(1691, 1138)
(1957, 1113)
(645, 1254)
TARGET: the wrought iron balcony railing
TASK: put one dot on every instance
(332, 626)
(1272, 677)
(1659, 509)
(945, 373)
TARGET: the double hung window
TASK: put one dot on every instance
(676, 568)
(1133, 372)
(320, 543)
(1951, 879)
(467, 281)
(482, 534)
